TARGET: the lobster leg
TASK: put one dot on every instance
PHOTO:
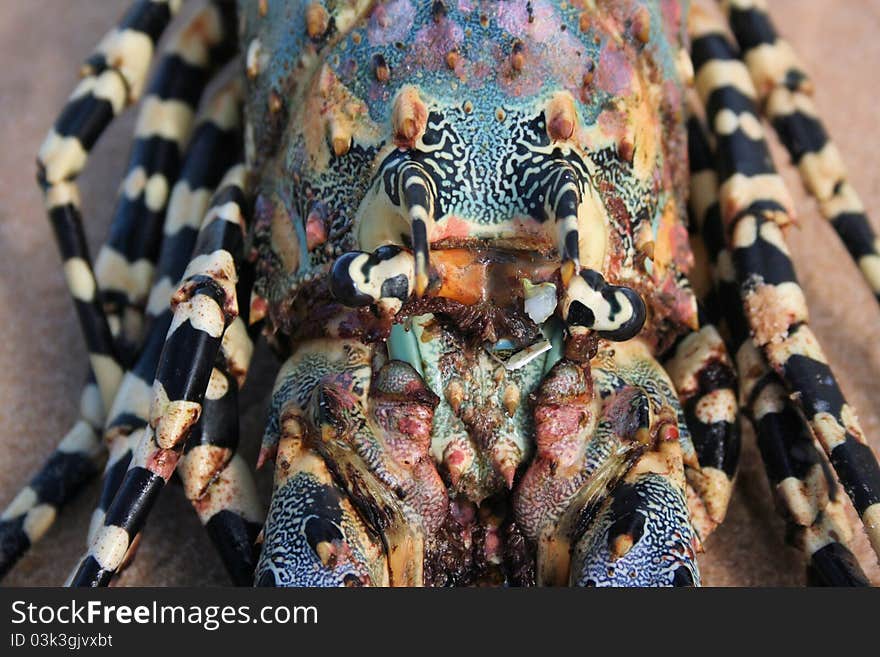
(806, 492)
(807, 495)
(705, 380)
(126, 260)
(784, 95)
(113, 78)
(216, 480)
(754, 204)
(125, 264)
(371, 423)
(215, 146)
(205, 304)
(314, 536)
(78, 457)
(219, 483)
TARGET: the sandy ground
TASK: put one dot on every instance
(43, 361)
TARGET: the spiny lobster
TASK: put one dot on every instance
(492, 242)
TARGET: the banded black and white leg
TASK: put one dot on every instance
(205, 304)
(76, 460)
(112, 79)
(219, 483)
(784, 94)
(125, 264)
(164, 124)
(754, 204)
(797, 472)
(221, 489)
(705, 381)
(805, 490)
(216, 480)
(213, 149)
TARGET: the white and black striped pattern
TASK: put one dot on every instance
(78, 457)
(215, 146)
(125, 263)
(793, 464)
(384, 277)
(417, 193)
(112, 80)
(615, 312)
(784, 92)
(798, 475)
(771, 61)
(410, 186)
(205, 42)
(151, 153)
(205, 304)
(752, 209)
(218, 483)
(705, 380)
(421, 181)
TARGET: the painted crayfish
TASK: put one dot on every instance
(492, 242)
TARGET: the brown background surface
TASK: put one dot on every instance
(43, 361)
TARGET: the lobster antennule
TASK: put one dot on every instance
(589, 303)
(564, 200)
(390, 275)
(616, 312)
(384, 276)
(419, 201)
